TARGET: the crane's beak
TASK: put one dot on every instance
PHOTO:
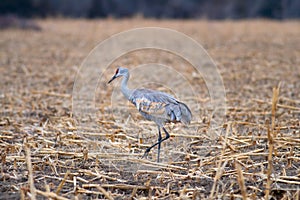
(113, 78)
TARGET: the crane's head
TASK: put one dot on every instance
(119, 72)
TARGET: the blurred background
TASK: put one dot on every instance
(209, 9)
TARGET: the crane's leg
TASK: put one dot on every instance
(160, 140)
(159, 143)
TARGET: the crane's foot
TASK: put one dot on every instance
(146, 153)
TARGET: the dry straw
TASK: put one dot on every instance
(42, 156)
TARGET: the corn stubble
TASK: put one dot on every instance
(257, 158)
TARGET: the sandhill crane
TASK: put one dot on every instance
(155, 106)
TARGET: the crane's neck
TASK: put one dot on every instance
(125, 90)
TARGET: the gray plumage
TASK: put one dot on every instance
(155, 106)
(160, 107)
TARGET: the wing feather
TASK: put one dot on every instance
(155, 105)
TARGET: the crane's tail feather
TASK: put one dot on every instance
(186, 114)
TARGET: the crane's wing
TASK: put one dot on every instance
(158, 105)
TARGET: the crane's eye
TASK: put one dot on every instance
(117, 71)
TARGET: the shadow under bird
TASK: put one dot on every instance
(155, 106)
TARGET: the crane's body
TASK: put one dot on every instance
(160, 107)
(155, 106)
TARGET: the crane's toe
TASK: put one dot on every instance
(146, 152)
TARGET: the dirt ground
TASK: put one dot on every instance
(43, 155)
